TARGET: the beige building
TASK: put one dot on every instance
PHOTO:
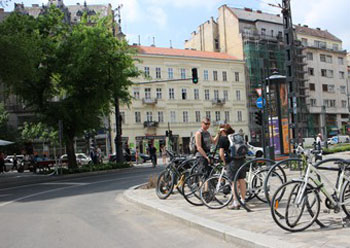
(327, 79)
(180, 105)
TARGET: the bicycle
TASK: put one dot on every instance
(295, 206)
(174, 175)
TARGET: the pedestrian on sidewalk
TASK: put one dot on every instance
(153, 154)
(203, 143)
(14, 163)
(2, 163)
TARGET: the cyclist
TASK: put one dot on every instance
(203, 142)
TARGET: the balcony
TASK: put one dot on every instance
(150, 101)
(219, 102)
(150, 124)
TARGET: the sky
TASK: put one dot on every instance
(173, 21)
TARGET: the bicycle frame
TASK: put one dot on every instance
(311, 171)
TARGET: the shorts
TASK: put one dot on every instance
(203, 166)
(233, 167)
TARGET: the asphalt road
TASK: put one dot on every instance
(90, 212)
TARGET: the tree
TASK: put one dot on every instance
(67, 73)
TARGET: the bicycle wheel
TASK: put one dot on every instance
(165, 184)
(277, 171)
(191, 188)
(258, 183)
(345, 197)
(294, 208)
(216, 192)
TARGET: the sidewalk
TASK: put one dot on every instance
(254, 229)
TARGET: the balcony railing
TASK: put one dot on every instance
(150, 124)
(149, 101)
(218, 101)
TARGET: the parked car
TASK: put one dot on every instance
(143, 157)
(82, 158)
(9, 161)
(333, 140)
(255, 151)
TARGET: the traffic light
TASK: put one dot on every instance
(258, 118)
(194, 75)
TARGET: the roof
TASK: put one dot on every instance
(315, 32)
(183, 52)
(253, 16)
(3, 15)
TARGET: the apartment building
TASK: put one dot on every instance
(327, 79)
(179, 105)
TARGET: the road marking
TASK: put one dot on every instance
(4, 195)
(63, 183)
(72, 186)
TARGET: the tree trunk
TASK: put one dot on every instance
(72, 161)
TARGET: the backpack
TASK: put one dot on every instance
(238, 148)
(193, 147)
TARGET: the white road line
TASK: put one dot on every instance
(54, 190)
(63, 183)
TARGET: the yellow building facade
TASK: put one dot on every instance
(180, 105)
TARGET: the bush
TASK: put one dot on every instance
(331, 150)
(97, 167)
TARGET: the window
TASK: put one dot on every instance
(206, 75)
(160, 117)
(227, 116)
(148, 93)
(170, 73)
(320, 44)
(341, 75)
(332, 103)
(238, 95)
(329, 59)
(159, 93)
(184, 94)
(137, 117)
(310, 71)
(196, 94)
(215, 75)
(183, 73)
(322, 58)
(335, 47)
(263, 31)
(136, 93)
(225, 95)
(312, 87)
(340, 60)
(271, 33)
(309, 56)
(324, 87)
(313, 102)
(343, 104)
(149, 116)
(331, 88)
(326, 103)
(237, 76)
(185, 116)
(171, 93)
(207, 114)
(146, 71)
(224, 76)
(304, 41)
(172, 116)
(323, 72)
(330, 73)
(206, 94)
(198, 116)
(158, 73)
(342, 89)
(239, 116)
(122, 115)
(216, 94)
(217, 115)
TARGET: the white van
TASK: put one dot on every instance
(343, 138)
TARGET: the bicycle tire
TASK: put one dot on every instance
(191, 188)
(216, 192)
(345, 192)
(259, 184)
(165, 184)
(283, 217)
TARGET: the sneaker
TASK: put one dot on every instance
(234, 205)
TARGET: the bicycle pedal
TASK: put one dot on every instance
(326, 211)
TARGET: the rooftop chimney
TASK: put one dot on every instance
(78, 3)
(259, 11)
(318, 28)
(248, 9)
(1, 10)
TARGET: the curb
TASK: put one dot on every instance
(239, 237)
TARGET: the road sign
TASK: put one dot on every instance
(259, 102)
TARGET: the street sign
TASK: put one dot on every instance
(259, 102)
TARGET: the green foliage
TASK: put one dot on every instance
(39, 131)
(100, 167)
(335, 149)
(67, 73)
(3, 115)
